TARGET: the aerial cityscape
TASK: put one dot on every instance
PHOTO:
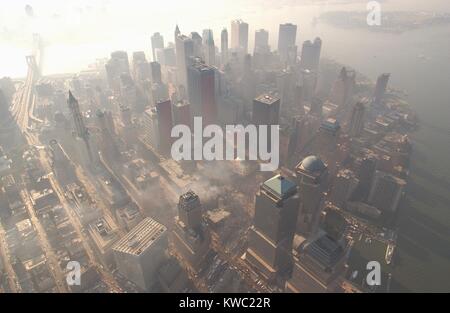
(261, 153)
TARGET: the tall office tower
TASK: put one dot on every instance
(176, 33)
(285, 86)
(239, 37)
(342, 90)
(201, 91)
(61, 165)
(209, 48)
(107, 144)
(316, 107)
(167, 56)
(266, 111)
(198, 44)
(190, 237)
(182, 113)
(312, 176)
(271, 236)
(380, 88)
(344, 185)
(334, 223)
(308, 81)
(310, 58)
(298, 99)
(356, 123)
(328, 135)
(117, 65)
(319, 266)
(185, 50)
(386, 192)
(81, 130)
(224, 46)
(157, 43)
(165, 123)
(366, 173)
(151, 128)
(155, 69)
(286, 40)
(141, 69)
(261, 41)
(141, 252)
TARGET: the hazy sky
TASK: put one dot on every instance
(78, 31)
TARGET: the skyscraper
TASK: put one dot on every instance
(201, 91)
(164, 111)
(311, 175)
(356, 124)
(81, 130)
(286, 40)
(224, 46)
(380, 88)
(155, 69)
(270, 238)
(262, 41)
(198, 44)
(342, 90)
(239, 37)
(184, 51)
(190, 237)
(209, 47)
(386, 192)
(141, 252)
(157, 43)
(266, 111)
(310, 57)
(344, 185)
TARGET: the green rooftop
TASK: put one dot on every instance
(280, 186)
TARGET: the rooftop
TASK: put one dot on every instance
(280, 186)
(267, 99)
(312, 163)
(140, 237)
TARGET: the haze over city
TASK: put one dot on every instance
(136, 139)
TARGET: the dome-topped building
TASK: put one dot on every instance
(312, 164)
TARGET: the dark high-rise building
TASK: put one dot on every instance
(224, 46)
(198, 44)
(344, 185)
(155, 69)
(141, 69)
(342, 90)
(312, 176)
(262, 41)
(319, 266)
(164, 111)
(356, 123)
(266, 111)
(209, 48)
(201, 91)
(182, 113)
(190, 237)
(239, 37)
(386, 192)
(184, 51)
(380, 88)
(270, 239)
(157, 43)
(366, 173)
(286, 40)
(310, 58)
(81, 130)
